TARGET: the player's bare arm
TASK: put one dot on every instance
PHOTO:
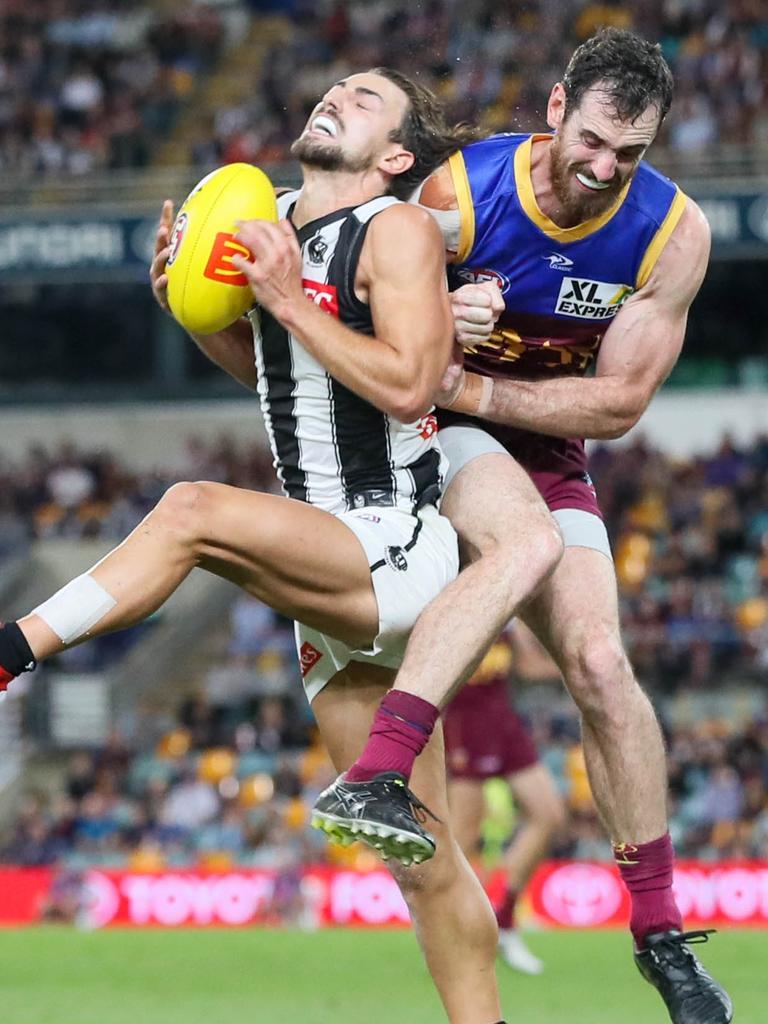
(638, 352)
(404, 284)
(230, 349)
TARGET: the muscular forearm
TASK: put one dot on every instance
(232, 350)
(368, 366)
(596, 407)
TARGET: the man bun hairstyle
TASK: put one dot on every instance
(632, 69)
(423, 132)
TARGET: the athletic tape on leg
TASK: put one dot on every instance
(76, 608)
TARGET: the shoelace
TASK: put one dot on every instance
(696, 936)
(672, 948)
(420, 810)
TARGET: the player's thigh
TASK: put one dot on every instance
(467, 805)
(536, 795)
(298, 559)
(491, 500)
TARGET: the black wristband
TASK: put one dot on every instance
(15, 653)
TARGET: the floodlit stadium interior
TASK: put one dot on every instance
(185, 744)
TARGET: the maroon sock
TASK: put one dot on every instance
(505, 914)
(400, 730)
(647, 873)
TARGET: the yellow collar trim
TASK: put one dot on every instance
(531, 207)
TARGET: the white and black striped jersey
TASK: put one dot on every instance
(331, 447)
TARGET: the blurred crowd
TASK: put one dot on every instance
(79, 494)
(718, 787)
(495, 64)
(690, 539)
(231, 781)
(90, 84)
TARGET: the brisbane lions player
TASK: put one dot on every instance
(580, 256)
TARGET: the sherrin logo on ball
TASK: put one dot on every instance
(206, 292)
(177, 236)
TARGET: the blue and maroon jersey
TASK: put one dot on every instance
(562, 286)
(484, 735)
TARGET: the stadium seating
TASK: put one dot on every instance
(86, 89)
(231, 780)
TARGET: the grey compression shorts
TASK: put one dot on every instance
(464, 442)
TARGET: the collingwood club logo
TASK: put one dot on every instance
(317, 249)
(395, 558)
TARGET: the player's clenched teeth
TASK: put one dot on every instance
(325, 124)
(592, 183)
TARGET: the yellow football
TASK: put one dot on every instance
(206, 292)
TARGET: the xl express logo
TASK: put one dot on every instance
(590, 300)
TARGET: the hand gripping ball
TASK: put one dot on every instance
(206, 292)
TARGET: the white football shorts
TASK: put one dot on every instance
(412, 557)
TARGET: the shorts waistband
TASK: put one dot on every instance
(375, 497)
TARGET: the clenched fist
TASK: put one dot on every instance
(476, 308)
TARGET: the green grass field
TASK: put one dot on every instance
(62, 976)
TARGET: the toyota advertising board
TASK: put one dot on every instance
(561, 895)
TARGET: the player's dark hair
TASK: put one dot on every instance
(633, 70)
(423, 132)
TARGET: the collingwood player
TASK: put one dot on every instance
(352, 333)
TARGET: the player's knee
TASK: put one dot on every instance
(434, 878)
(547, 545)
(447, 881)
(552, 814)
(182, 510)
(541, 546)
(599, 676)
(547, 811)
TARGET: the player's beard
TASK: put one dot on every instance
(579, 206)
(312, 153)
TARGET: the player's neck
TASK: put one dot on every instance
(543, 189)
(324, 192)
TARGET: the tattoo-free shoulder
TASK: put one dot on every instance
(683, 261)
(438, 192)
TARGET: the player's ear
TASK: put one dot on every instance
(397, 161)
(556, 106)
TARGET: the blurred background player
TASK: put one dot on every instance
(486, 738)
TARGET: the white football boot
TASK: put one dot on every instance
(515, 952)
